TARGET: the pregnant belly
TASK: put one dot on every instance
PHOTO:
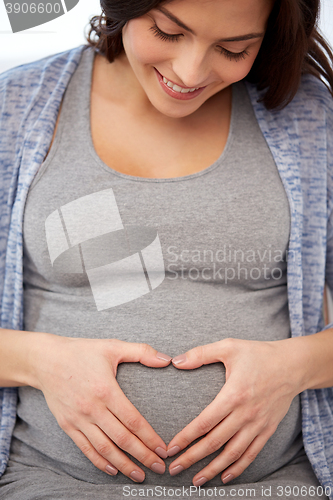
(169, 399)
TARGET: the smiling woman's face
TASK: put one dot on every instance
(190, 43)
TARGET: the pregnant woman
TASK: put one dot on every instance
(166, 234)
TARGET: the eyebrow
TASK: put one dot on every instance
(239, 38)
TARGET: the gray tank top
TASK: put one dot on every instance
(176, 263)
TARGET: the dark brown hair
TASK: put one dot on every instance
(291, 47)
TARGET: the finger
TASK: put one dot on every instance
(89, 451)
(198, 356)
(120, 406)
(129, 442)
(247, 457)
(241, 449)
(212, 442)
(211, 416)
(127, 352)
(110, 443)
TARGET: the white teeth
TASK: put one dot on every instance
(177, 88)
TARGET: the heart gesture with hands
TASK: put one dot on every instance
(262, 378)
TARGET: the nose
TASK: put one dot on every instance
(192, 65)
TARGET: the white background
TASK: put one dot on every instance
(68, 31)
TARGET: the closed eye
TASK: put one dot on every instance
(166, 37)
(234, 56)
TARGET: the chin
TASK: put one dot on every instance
(173, 113)
(176, 110)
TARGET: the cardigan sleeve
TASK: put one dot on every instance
(329, 255)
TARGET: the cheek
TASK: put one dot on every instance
(233, 71)
(141, 45)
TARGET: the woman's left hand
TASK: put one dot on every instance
(262, 378)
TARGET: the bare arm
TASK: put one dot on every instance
(315, 359)
(16, 357)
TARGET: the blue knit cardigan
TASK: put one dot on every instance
(300, 138)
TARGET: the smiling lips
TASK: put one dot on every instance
(177, 88)
(176, 91)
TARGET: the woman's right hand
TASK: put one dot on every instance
(78, 379)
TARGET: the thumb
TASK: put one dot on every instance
(198, 356)
(141, 353)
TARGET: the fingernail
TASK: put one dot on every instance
(179, 359)
(161, 452)
(111, 470)
(200, 481)
(162, 356)
(137, 476)
(158, 468)
(227, 478)
(173, 451)
(176, 470)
